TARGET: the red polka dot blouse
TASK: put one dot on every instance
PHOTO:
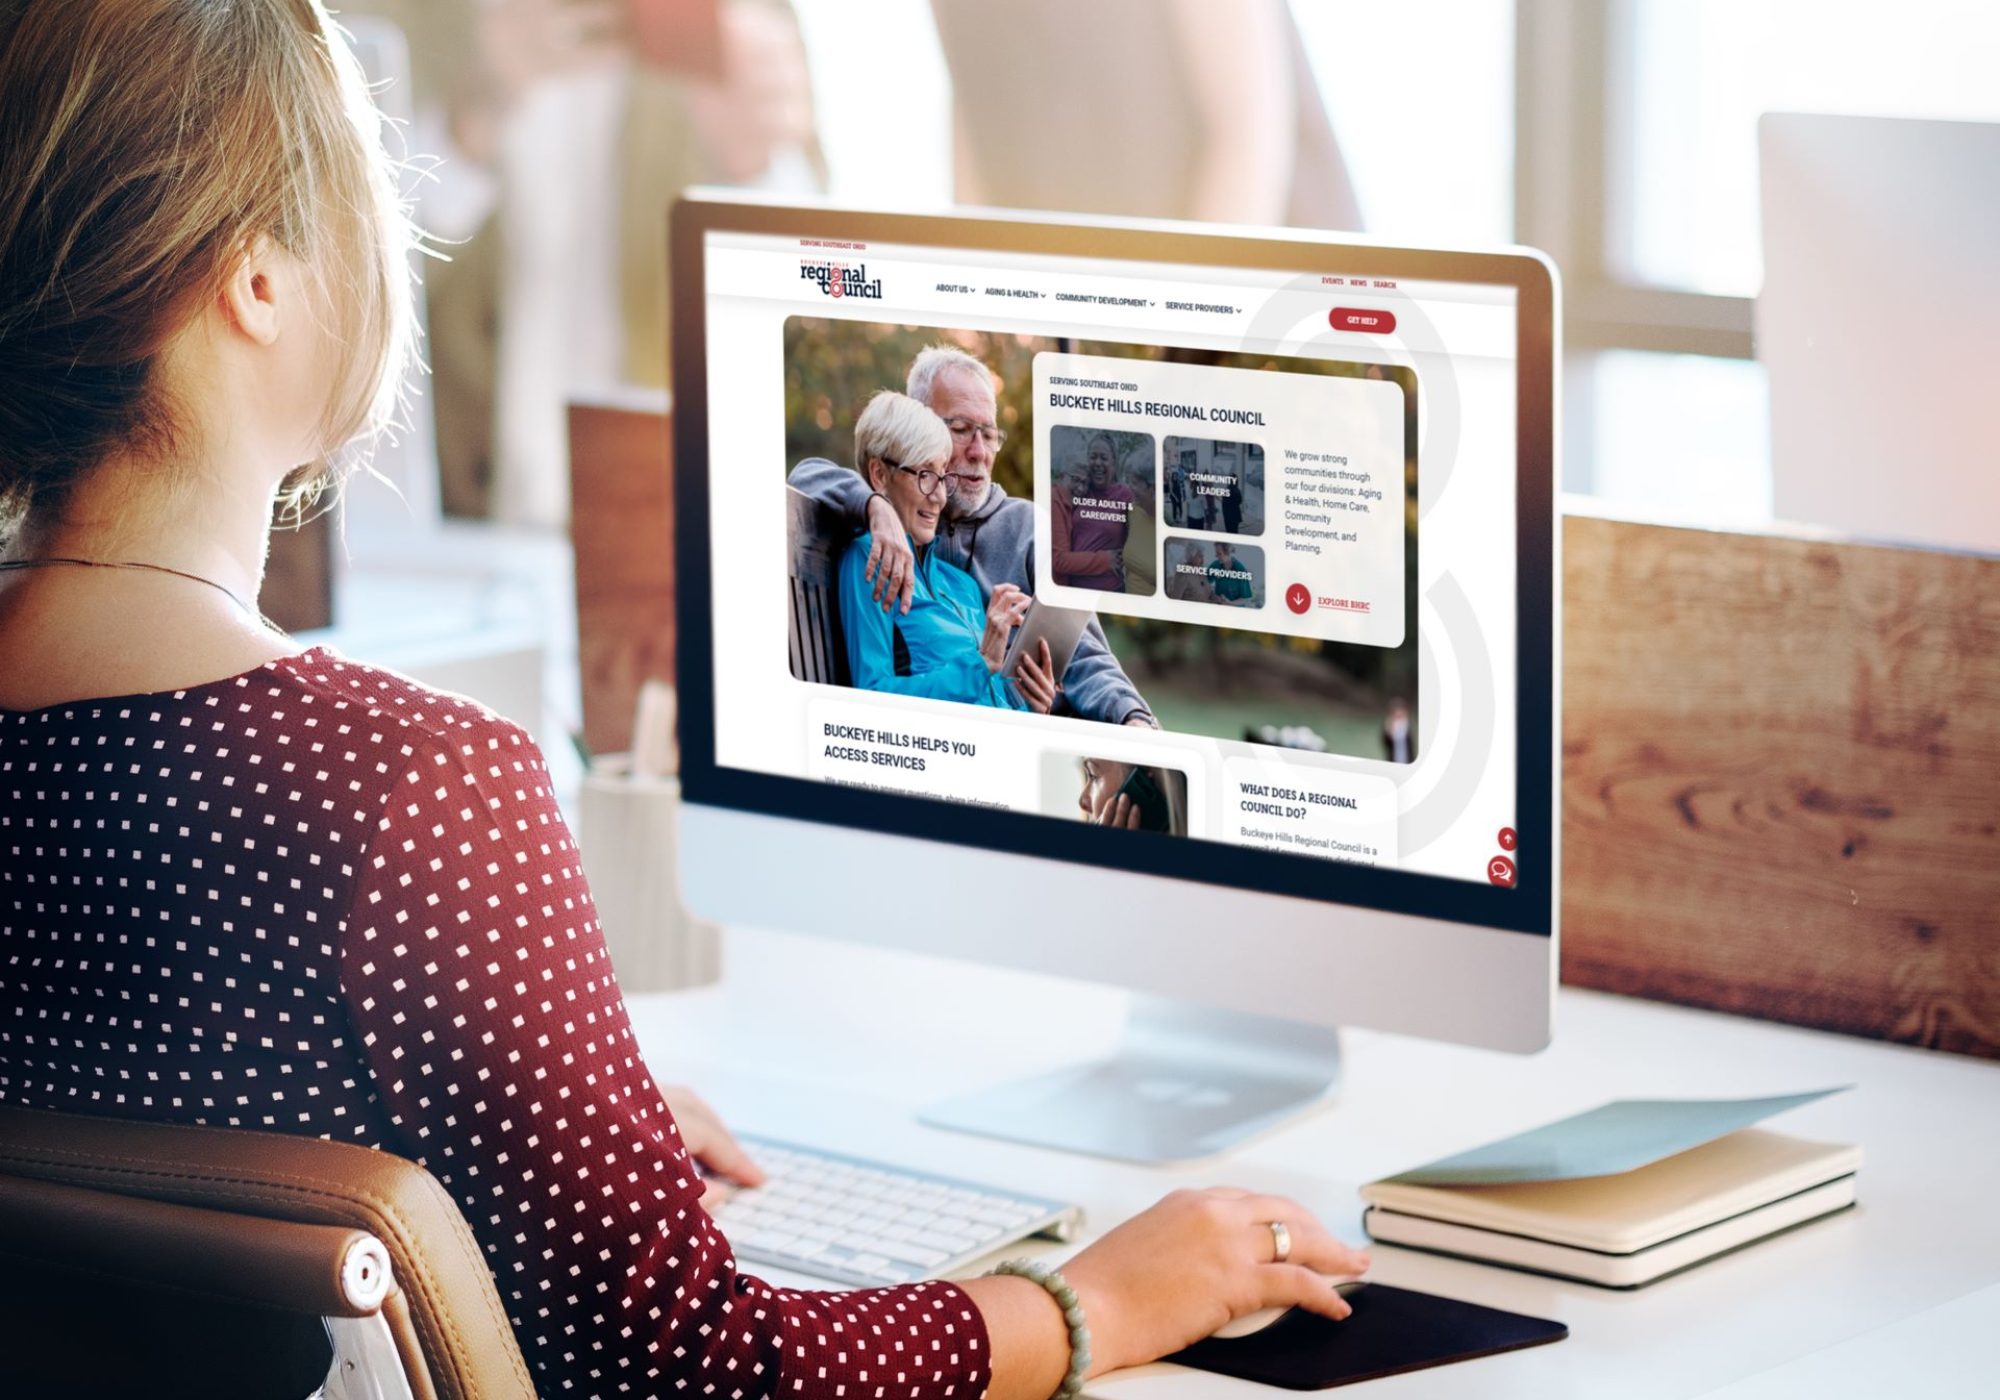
(319, 898)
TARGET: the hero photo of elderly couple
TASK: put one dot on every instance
(912, 566)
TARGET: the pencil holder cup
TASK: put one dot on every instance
(630, 837)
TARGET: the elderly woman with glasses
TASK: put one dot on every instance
(949, 642)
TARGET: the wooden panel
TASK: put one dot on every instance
(1781, 786)
(622, 527)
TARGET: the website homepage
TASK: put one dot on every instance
(1213, 552)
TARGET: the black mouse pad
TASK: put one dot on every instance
(1391, 1330)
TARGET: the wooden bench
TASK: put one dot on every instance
(813, 542)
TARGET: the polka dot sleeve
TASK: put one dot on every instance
(483, 1003)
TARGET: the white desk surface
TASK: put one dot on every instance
(836, 1045)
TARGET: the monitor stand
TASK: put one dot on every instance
(1188, 1082)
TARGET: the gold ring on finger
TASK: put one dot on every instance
(1281, 1242)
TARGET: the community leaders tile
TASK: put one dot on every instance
(1210, 485)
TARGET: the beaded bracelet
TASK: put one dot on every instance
(1072, 1309)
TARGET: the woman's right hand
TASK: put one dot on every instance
(1199, 1259)
(1114, 809)
(1004, 611)
(1035, 679)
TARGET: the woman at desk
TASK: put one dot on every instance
(950, 641)
(361, 915)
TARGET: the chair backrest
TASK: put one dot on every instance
(812, 546)
(152, 1215)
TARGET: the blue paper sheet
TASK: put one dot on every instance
(1616, 1137)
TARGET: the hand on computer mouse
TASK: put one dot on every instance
(1198, 1260)
(1250, 1324)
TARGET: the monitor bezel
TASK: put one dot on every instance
(1525, 907)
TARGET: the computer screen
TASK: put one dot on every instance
(1262, 503)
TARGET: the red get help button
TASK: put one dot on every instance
(1355, 318)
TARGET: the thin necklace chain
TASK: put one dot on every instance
(48, 561)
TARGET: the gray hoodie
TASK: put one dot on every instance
(996, 545)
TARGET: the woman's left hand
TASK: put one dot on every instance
(711, 1144)
(1035, 678)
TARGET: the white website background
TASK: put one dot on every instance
(1441, 814)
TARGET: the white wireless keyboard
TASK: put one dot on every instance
(853, 1221)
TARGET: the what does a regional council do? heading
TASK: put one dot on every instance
(1146, 408)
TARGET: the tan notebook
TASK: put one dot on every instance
(1630, 1227)
(1632, 1210)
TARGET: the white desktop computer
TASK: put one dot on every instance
(1280, 508)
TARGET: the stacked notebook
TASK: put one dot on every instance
(1621, 1195)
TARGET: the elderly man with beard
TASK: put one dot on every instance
(986, 532)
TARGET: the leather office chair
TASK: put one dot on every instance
(148, 1259)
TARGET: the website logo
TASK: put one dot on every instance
(841, 279)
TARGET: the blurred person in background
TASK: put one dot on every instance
(561, 131)
(1399, 736)
(1193, 109)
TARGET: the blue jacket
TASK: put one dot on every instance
(933, 650)
(995, 544)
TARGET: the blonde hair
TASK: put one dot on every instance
(147, 144)
(896, 428)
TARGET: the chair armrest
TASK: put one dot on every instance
(329, 1270)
